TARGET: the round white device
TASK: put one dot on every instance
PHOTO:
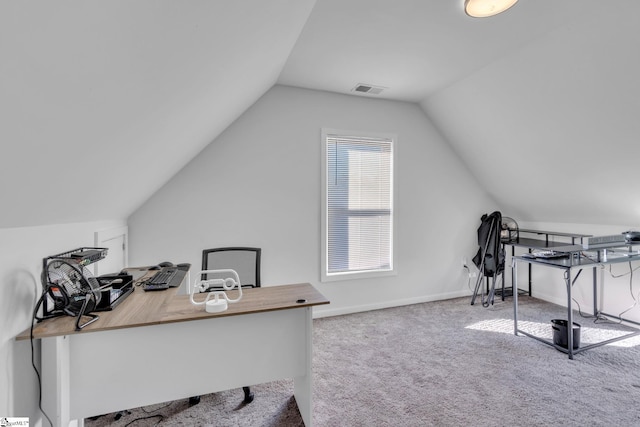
(216, 305)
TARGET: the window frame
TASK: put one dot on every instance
(352, 275)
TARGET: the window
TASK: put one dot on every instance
(357, 223)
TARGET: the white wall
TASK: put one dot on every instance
(21, 252)
(258, 184)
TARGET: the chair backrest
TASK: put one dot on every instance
(245, 261)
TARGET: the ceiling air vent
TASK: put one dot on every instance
(370, 89)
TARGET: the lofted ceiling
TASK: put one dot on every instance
(103, 102)
(412, 48)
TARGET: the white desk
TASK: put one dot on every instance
(153, 346)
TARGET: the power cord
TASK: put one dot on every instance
(468, 276)
(160, 416)
(635, 299)
(33, 362)
(588, 316)
(150, 416)
(631, 270)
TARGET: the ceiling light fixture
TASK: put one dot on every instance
(485, 8)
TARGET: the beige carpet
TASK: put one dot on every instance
(445, 363)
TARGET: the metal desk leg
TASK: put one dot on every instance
(595, 291)
(569, 314)
(529, 267)
(514, 272)
(514, 285)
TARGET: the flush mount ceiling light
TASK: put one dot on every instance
(485, 8)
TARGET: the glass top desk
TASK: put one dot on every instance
(542, 241)
(572, 264)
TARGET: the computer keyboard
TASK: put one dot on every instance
(161, 280)
(163, 276)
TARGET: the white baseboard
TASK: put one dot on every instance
(319, 313)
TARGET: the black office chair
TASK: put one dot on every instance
(246, 262)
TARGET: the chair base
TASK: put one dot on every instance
(248, 397)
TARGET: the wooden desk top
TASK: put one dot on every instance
(152, 308)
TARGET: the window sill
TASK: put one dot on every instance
(340, 277)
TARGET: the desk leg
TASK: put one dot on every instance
(56, 370)
(302, 387)
(514, 283)
(530, 267)
(595, 291)
(514, 287)
(567, 276)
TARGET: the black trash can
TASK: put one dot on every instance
(560, 337)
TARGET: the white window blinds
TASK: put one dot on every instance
(359, 204)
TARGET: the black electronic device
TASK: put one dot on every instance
(82, 256)
(632, 236)
(184, 266)
(155, 286)
(88, 255)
